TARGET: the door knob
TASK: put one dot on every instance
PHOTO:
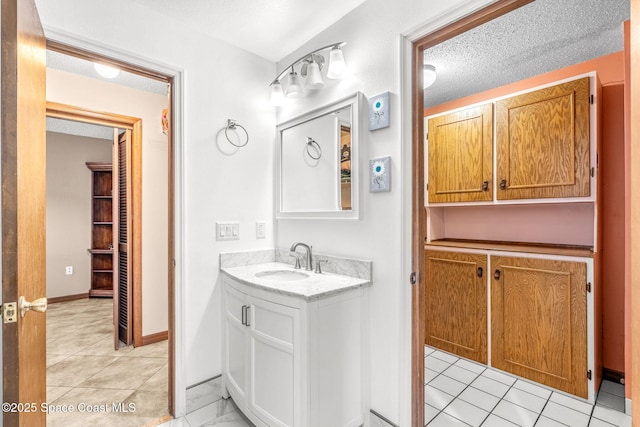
(38, 305)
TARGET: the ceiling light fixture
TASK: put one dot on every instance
(310, 69)
(106, 71)
(429, 75)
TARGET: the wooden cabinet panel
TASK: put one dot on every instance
(456, 303)
(542, 140)
(461, 156)
(101, 230)
(539, 321)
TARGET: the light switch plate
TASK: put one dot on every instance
(227, 230)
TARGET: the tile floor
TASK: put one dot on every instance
(462, 393)
(84, 371)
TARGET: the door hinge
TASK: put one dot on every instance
(426, 186)
(426, 136)
(590, 99)
(589, 287)
(593, 172)
(413, 278)
(589, 374)
(173, 263)
(10, 312)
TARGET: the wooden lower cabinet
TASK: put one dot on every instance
(456, 303)
(539, 321)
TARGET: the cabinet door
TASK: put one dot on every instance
(456, 303)
(539, 321)
(236, 338)
(276, 396)
(543, 143)
(461, 156)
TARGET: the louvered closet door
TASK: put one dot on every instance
(122, 283)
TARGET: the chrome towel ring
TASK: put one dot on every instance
(313, 149)
(232, 125)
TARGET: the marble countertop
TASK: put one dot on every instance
(312, 287)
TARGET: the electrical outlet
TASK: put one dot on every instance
(261, 230)
(69, 270)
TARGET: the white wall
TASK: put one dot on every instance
(373, 55)
(220, 82)
(69, 210)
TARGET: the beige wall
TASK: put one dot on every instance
(104, 96)
(69, 210)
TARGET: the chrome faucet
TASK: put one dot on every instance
(309, 255)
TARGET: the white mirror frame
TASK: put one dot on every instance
(355, 101)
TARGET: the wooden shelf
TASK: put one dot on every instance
(101, 230)
(563, 250)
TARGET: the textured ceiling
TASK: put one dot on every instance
(542, 36)
(70, 127)
(271, 29)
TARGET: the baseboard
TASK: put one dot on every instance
(67, 298)
(612, 375)
(154, 338)
(627, 406)
(383, 419)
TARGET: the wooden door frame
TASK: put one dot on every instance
(134, 124)
(418, 212)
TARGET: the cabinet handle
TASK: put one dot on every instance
(485, 186)
(244, 315)
(479, 272)
(247, 311)
(496, 274)
(503, 184)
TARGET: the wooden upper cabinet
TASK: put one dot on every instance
(456, 303)
(542, 140)
(460, 146)
(539, 321)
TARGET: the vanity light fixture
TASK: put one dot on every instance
(106, 71)
(429, 75)
(311, 66)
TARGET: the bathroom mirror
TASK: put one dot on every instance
(317, 162)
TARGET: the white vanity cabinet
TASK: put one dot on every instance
(294, 361)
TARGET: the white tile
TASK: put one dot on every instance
(436, 398)
(204, 394)
(211, 412)
(460, 374)
(435, 364)
(495, 421)
(376, 421)
(548, 422)
(499, 376)
(429, 375)
(517, 414)
(449, 358)
(570, 402)
(599, 423)
(430, 413)
(612, 416)
(470, 366)
(448, 385)
(565, 415)
(610, 401)
(533, 389)
(178, 422)
(428, 350)
(613, 388)
(526, 400)
(479, 398)
(445, 420)
(466, 412)
(490, 386)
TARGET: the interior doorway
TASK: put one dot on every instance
(134, 126)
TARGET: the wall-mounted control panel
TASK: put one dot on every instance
(227, 230)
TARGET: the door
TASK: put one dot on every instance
(274, 367)
(23, 157)
(539, 321)
(542, 140)
(122, 302)
(456, 303)
(461, 156)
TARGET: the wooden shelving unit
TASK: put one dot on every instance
(101, 229)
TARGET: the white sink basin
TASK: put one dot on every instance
(282, 275)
